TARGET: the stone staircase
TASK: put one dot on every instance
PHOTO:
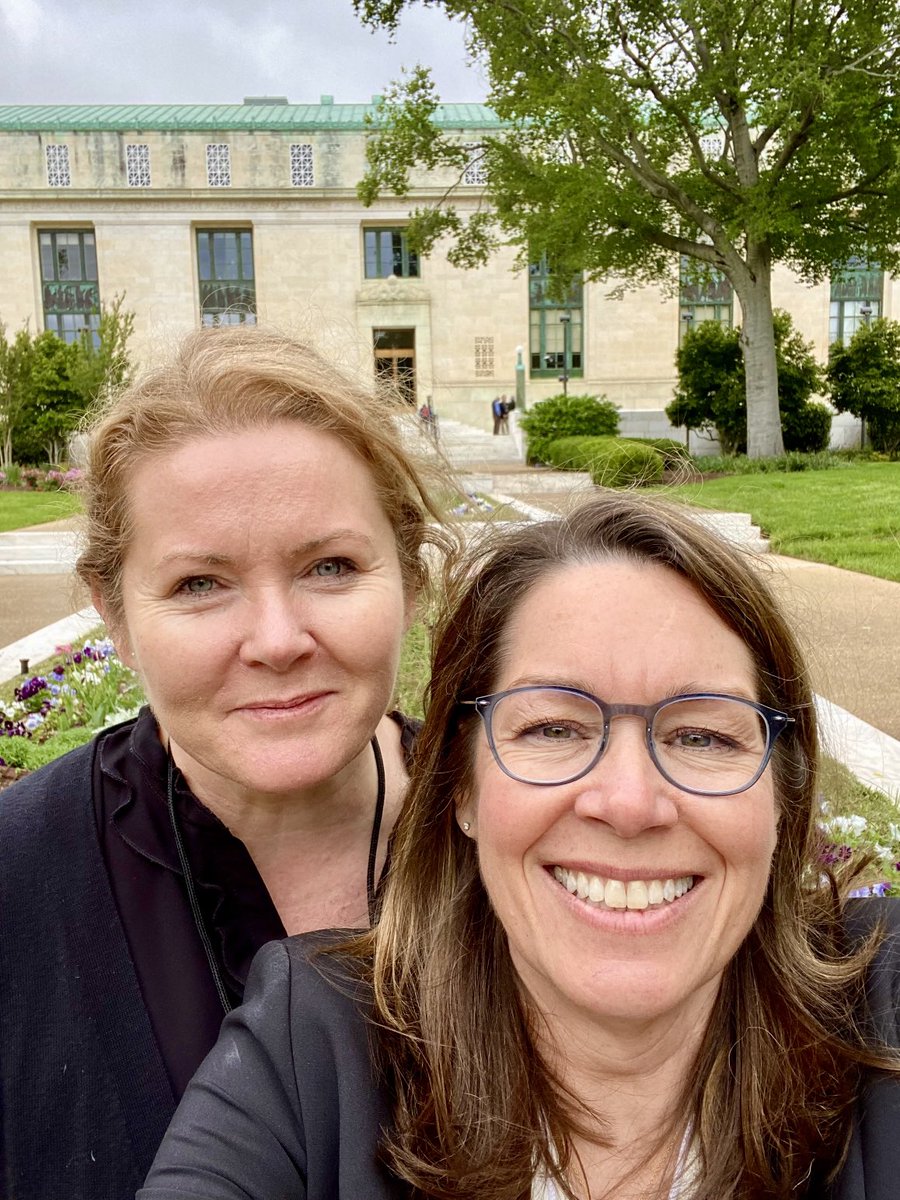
(735, 527)
(34, 552)
(493, 465)
(464, 445)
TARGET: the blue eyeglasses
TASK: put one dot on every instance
(704, 743)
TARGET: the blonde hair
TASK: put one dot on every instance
(223, 380)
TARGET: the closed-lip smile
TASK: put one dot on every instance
(282, 704)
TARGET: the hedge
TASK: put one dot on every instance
(612, 462)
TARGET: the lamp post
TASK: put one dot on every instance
(565, 320)
(687, 318)
(520, 378)
(865, 311)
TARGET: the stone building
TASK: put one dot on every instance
(239, 212)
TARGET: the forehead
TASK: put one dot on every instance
(232, 494)
(286, 457)
(623, 630)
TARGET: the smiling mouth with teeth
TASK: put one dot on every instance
(614, 893)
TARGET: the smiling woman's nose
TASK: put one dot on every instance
(624, 789)
(276, 630)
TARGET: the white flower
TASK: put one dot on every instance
(884, 852)
(856, 826)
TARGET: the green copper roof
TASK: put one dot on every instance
(39, 118)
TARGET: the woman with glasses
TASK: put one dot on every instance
(608, 963)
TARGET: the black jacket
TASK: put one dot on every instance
(75, 1038)
(285, 1106)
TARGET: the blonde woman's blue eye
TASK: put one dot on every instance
(332, 568)
(200, 585)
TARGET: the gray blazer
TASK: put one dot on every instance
(286, 1108)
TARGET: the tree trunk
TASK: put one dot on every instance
(760, 365)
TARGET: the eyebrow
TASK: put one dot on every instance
(302, 550)
(690, 688)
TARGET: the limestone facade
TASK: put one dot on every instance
(148, 181)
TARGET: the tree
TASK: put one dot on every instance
(739, 134)
(106, 366)
(54, 404)
(15, 375)
(711, 387)
(46, 384)
(864, 378)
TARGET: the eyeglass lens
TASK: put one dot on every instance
(545, 735)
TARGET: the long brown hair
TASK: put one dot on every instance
(476, 1110)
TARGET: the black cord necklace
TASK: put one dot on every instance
(371, 895)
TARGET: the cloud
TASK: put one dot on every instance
(217, 51)
(23, 18)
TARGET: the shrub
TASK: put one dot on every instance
(711, 389)
(674, 453)
(864, 378)
(612, 462)
(794, 460)
(566, 416)
(807, 428)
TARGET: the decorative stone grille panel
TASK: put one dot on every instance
(302, 172)
(475, 173)
(58, 173)
(484, 357)
(137, 165)
(218, 164)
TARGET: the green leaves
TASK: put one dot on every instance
(864, 379)
(46, 384)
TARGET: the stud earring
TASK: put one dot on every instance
(466, 826)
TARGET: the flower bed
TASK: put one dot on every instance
(84, 689)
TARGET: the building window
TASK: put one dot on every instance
(58, 174)
(387, 253)
(475, 173)
(137, 165)
(555, 325)
(484, 357)
(302, 174)
(218, 164)
(856, 292)
(70, 293)
(227, 283)
(704, 295)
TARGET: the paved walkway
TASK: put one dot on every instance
(849, 625)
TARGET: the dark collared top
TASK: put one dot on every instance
(140, 855)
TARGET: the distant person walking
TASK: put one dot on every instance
(506, 406)
(499, 415)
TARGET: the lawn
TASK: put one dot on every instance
(848, 516)
(34, 508)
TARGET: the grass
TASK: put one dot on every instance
(847, 518)
(34, 508)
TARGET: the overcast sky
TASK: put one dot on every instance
(217, 51)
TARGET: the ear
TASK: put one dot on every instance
(465, 816)
(115, 627)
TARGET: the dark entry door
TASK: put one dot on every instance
(395, 360)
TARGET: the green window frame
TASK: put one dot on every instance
(386, 252)
(70, 290)
(556, 334)
(226, 276)
(857, 289)
(705, 294)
